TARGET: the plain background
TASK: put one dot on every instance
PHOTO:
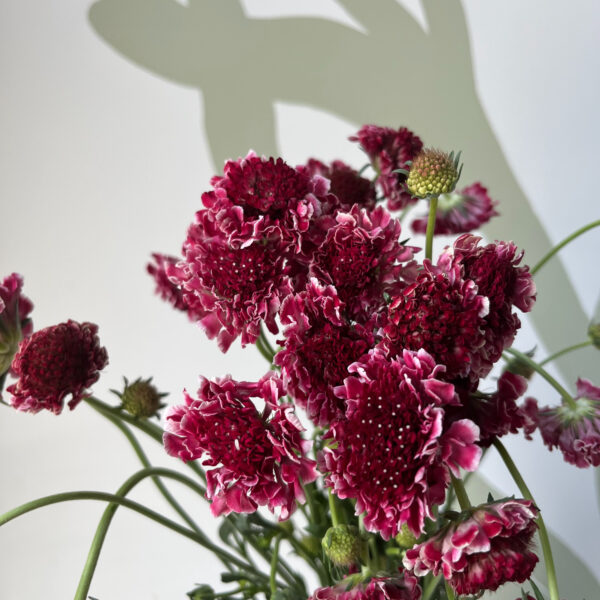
(102, 163)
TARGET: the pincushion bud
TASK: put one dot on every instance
(140, 398)
(202, 592)
(594, 334)
(518, 366)
(406, 539)
(432, 173)
(343, 545)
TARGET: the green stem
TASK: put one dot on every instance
(103, 525)
(562, 244)
(449, 591)
(543, 533)
(430, 587)
(266, 344)
(461, 493)
(433, 202)
(564, 351)
(334, 508)
(260, 347)
(538, 369)
(274, 561)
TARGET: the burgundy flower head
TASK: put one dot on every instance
(55, 362)
(346, 184)
(460, 212)
(575, 431)
(165, 288)
(490, 546)
(15, 323)
(494, 269)
(441, 312)
(319, 347)
(361, 257)
(401, 587)
(257, 458)
(230, 289)
(390, 149)
(391, 452)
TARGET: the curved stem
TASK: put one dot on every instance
(562, 244)
(274, 560)
(564, 351)
(461, 493)
(433, 202)
(543, 533)
(266, 344)
(103, 525)
(334, 509)
(538, 369)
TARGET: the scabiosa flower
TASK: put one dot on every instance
(361, 257)
(230, 289)
(319, 346)
(346, 184)
(165, 288)
(441, 312)
(391, 452)
(388, 150)
(258, 198)
(432, 173)
(486, 547)
(55, 362)
(15, 323)
(575, 431)
(401, 587)
(460, 212)
(257, 458)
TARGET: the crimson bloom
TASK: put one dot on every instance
(55, 362)
(319, 346)
(15, 323)
(460, 212)
(165, 288)
(401, 587)
(486, 547)
(258, 458)
(388, 150)
(575, 431)
(391, 452)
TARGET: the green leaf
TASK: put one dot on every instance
(536, 590)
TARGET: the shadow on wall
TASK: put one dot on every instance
(393, 74)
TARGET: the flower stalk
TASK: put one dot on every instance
(433, 203)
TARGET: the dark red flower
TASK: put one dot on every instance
(361, 257)
(441, 312)
(319, 346)
(15, 323)
(257, 458)
(574, 430)
(392, 452)
(400, 587)
(390, 149)
(165, 288)
(482, 550)
(55, 362)
(460, 212)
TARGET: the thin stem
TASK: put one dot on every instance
(536, 367)
(103, 525)
(543, 533)
(564, 351)
(562, 244)
(334, 508)
(461, 493)
(430, 587)
(274, 560)
(449, 590)
(260, 347)
(433, 202)
(266, 343)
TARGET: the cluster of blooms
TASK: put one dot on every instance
(385, 355)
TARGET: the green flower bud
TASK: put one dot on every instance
(343, 545)
(432, 173)
(140, 399)
(202, 592)
(405, 538)
(594, 334)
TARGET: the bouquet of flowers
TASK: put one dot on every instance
(383, 351)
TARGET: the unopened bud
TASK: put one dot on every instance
(406, 538)
(432, 173)
(140, 398)
(594, 334)
(343, 545)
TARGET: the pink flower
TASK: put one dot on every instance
(346, 184)
(460, 212)
(55, 362)
(390, 149)
(392, 452)
(401, 587)
(575, 431)
(482, 550)
(258, 458)
(361, 257)
(319, 346)
(494, 269)
(15, 323)
(165, 288)
(441, 312)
